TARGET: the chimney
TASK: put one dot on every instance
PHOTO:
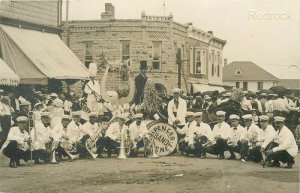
(225, 61)
(211, 32)
(109, 13)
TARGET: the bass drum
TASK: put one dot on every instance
(165, 137)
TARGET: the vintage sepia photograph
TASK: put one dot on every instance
(139, 96)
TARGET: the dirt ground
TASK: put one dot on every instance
(165, 174)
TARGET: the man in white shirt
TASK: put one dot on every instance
(199, 134)
(138, 132)
(246, 105)
(91, 129)
(177, 108)
(249, 138)
(234, 143)
(221, 134)
(41, 136)
(5, 118)
(115, 132)
(182, 132)
(17, 145)
(287, 149)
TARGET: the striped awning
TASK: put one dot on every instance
(8, 76)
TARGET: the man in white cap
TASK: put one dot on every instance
(249, 138)
(24, 110)
(221, 132)
(234, 143)
(138, 132)
(115, 132)
(177, 108)
(287, 148)
(17, 145)
(183, 130)
(92, 89)
(91, 129)
(199, 134)
(41, 136)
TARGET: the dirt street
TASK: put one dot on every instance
(166, 174)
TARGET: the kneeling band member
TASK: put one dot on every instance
(138, 132)
(234, 143)
(16, 146)
(199, 134)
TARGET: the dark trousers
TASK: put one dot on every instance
(244, 150)
(14, 153)
(5, 122)
(41, 154)
(134, 151)
(234, 149)
(112, 145)
(282, 156)
(255, 154)
(220, 146)
(199, 149)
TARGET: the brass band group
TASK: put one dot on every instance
(56, 129)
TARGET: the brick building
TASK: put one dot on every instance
(157, 39)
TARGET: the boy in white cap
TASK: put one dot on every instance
(183, 130)
(114, 135)
(221, 133)
(91, 129)
(249, 138)
(199, 134)
(17, 145)
(177, 108)
(287, 149)
(138, 132)
(234, 143)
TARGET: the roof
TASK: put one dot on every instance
(38, 56)
(7, 75)
(248, 72)
(291, 72)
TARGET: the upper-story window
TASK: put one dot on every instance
(88, 53)
(212, 64)
(197, 61)
(156, 59)
(125, 49)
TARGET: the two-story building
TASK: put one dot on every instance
(158, 39)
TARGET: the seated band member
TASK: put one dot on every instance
(265, 136)
(41, 136)
(91, 129)
(113, 134)
(234, 143)
(249, 139)
(75, 129)
(16, 146)
(287, 149)
(199, 134)
(183, 130)
(137, 132)
(221, 132)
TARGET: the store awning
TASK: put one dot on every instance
(37, 56)
(205, 87)
(8, 76)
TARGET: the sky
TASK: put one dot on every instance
(262, 31)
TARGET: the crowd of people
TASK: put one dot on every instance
(48, 128)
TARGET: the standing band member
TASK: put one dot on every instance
(286, 148)
(17, 144)
(177, 108)
(234, 143)
(140, 82)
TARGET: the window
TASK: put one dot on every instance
(212, 64)
(219, 63)
(245, 85)
(260, 85)
(156, 61)
(238, 72)
(125, 49)
(88, 53)
(237, 85)
(198, 62)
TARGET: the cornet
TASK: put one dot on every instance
(153, 147)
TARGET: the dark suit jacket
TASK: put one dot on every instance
(140, 82)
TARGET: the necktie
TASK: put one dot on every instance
(234, 128)
(176, 102)
(198, 124)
